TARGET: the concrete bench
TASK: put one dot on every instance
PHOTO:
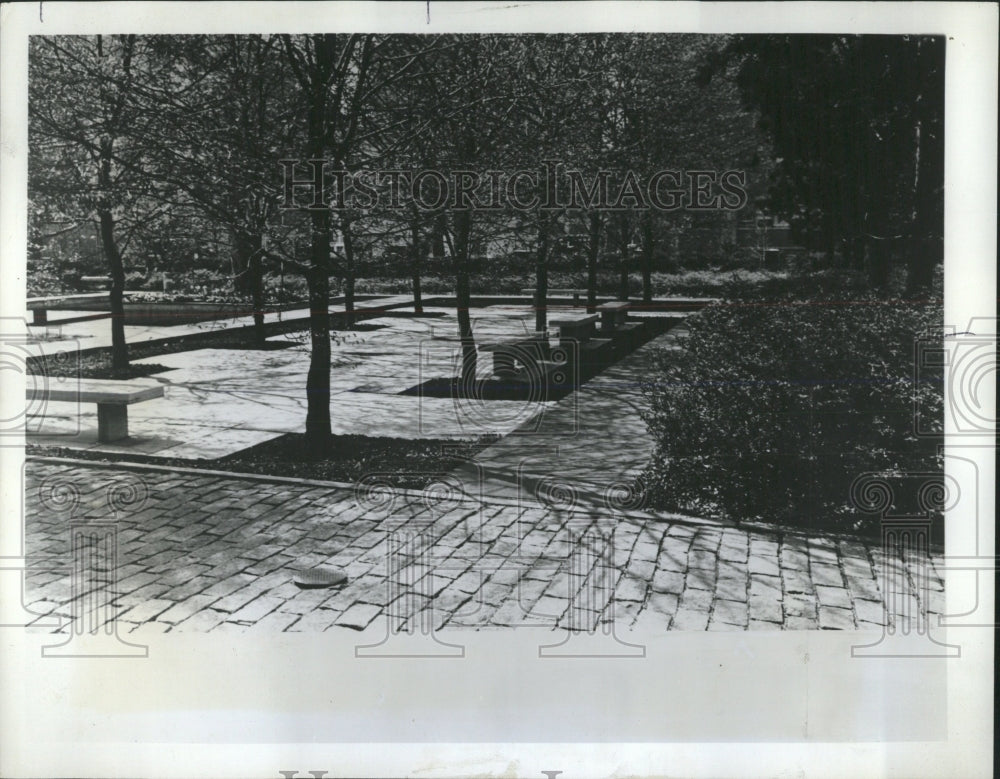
(613, 315)
(577, 328)
(112, 398)
(39, 307)
(518, 359)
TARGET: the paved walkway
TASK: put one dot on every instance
(199, 552)
(584, 449)
(220, 401)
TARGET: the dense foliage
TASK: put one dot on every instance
(778, 404)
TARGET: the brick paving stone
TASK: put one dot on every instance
(358, 617)
(145, 611)
(562, 585)
(716, 625)
(256, 609)
(794, 622)
(149, 629)
(765, 586)
(731, 612)
(835, 619)
(625, 612)
(315, 621)
(732, 588)
(150, 591)
(631, 589)
(179, 612)
(696, 600)
(823, 555)
(700, 558)
(275, 622)
(794, 559)
(300, 601)
(706, 541)
(495, 593)
(229, 585)
(765, 608)
(827, 574)
(904, 606)
(761, 624)
(451, 601)
(585, 620)
(688, 619)
(867, 589)
(236, 600)
(134, 582)
(528, 591)
(469, 582)
(549, 608)
(796, 581)
(673, 558)
(664, 603)
(646, 550)
(406, 606)
(870, 611)
(800, 606)
(641, 569)
(835, 597)
(763, 547)
(510, 613)
(766, 566)
(733, 553)
(668, 582)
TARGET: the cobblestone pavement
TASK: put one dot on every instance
(202, 552)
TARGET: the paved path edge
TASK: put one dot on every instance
(497, 501)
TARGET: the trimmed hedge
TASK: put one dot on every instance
(775, 408)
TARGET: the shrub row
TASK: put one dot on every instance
(775, 407)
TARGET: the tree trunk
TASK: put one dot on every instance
(623, 261)
(463, 297)
(924, 243)
(593, 250)
(255, 268)
(116, 268)
(348, 274)
(879, 265)
(318, 429)
(647, 259)
(246, 250)
(542, 276)
(417, 260)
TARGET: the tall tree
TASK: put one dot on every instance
(224, 119)
(465, 89)
(88, 163)
(858, 124)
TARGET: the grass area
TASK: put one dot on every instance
(400, 462)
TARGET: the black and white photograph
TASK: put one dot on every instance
(569, 372)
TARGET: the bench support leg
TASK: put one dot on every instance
(112, 422)
(41, 317)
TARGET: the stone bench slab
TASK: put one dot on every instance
(112, 399)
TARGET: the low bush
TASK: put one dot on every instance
(774, 408)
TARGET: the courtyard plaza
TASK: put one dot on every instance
(541, 529)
